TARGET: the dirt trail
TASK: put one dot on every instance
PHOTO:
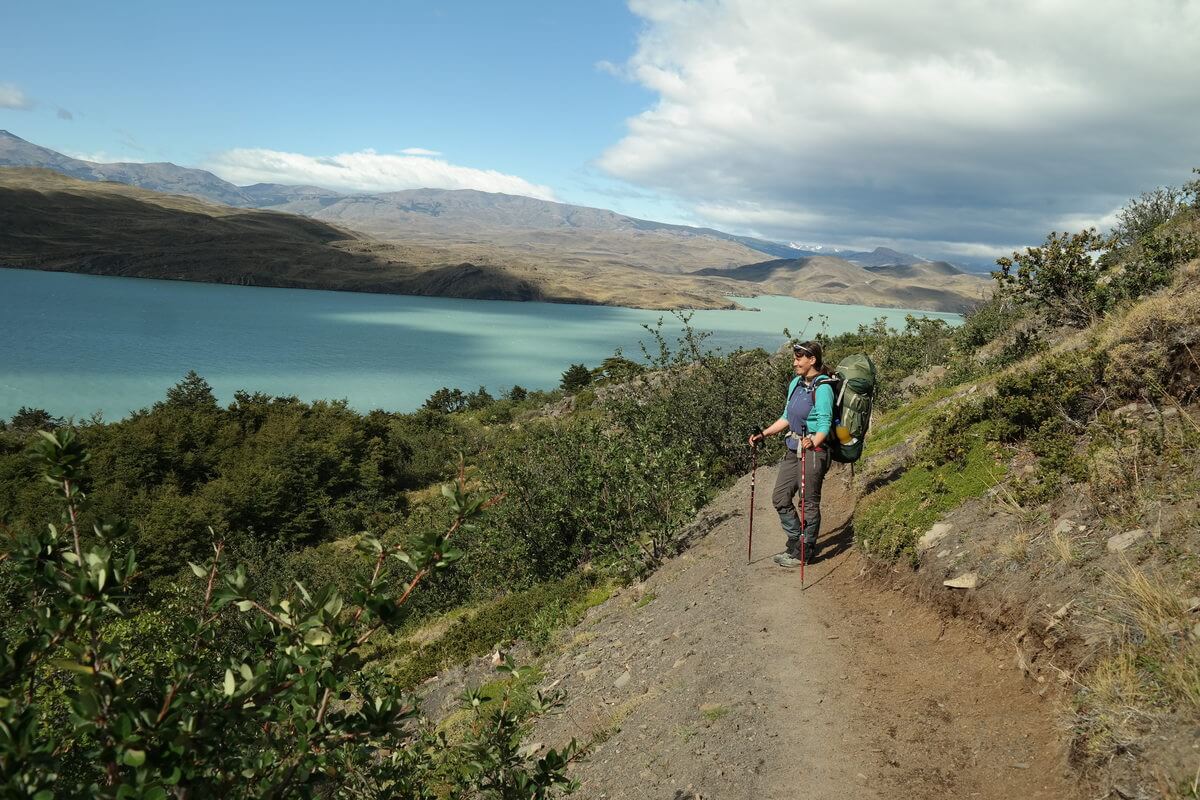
(718, 679)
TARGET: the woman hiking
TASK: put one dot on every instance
(808, 418)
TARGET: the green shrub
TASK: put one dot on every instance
(986, 322)
(616, 369)
(1153, 264)
(896, 353)
(575, 377)
(1064, 279)
(1144, 213)
(164, 706)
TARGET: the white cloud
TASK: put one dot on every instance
(104, 157)
(1077, 222)
(610, 68)
(419, 151)
(12, 97)
(365, 171)
(755, 216)
(924, 120)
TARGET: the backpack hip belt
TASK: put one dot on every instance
(798, 438)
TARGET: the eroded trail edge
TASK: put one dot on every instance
(721, 679)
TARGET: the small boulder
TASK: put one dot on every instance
(1126, 411)
(934, 535)
(1064, 525)
(923, 380)
(968, 580)
(623, 681)
(1121, 541)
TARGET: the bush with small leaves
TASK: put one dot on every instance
(28, 420)
(1147, 211)
(282, 711)
(1064, 278)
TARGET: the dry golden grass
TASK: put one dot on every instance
(1154, 319)
(1016, 547)
(1152, 668)
(1144, 603)
(1062, 546)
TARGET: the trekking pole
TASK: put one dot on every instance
(755, 431)
(803, 497)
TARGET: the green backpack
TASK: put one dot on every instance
(854, 392)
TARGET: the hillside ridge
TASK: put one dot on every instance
(55, 222)
(502, 230)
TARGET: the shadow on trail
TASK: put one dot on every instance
(841, 540)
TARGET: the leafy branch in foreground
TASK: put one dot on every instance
(278, 710)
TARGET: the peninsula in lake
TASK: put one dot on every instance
(166, 221)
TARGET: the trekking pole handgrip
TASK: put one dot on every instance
(756, 430)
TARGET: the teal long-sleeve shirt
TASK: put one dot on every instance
(820, 415)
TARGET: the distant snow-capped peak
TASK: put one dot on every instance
(815, 248)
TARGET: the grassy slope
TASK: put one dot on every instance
(1034, 516)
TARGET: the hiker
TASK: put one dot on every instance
(808, 418)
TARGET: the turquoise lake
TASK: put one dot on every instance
(79, 344)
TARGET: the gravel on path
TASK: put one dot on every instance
(720, 679)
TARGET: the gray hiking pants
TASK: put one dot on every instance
(787, 484)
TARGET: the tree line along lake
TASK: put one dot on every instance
(75, 345)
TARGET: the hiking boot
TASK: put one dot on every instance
(786, 554)
(790, 550)
(785, 560)
(810, 552)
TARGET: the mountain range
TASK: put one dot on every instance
(553, 250)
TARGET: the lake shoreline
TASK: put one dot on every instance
(83, 343)
(729, 304)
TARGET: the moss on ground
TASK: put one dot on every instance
(533, 615)
(897, 425)
(519, 690)
(889, 521)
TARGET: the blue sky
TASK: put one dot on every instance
(513, 87)
(950, 129)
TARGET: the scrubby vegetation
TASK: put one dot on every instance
(109, 690)
(141, 661)
(1062, 424)
(267, 702)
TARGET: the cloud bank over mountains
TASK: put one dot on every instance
(972, 127)
(366, 171)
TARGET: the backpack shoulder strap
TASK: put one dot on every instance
(821, 380)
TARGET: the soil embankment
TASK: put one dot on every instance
(721, 679)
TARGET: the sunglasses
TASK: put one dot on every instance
(802, 351)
